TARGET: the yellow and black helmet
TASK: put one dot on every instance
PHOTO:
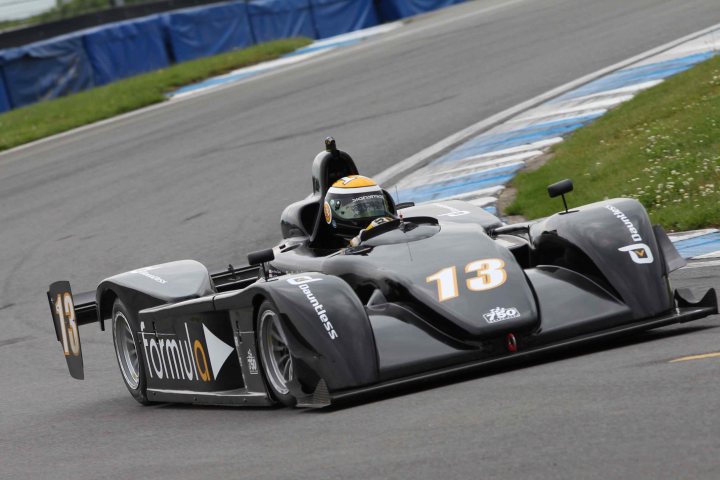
(352, 202)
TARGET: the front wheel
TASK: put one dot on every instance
(275, 359)
(128, 351)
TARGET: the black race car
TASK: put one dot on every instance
(442, 288)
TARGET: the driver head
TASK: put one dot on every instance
(352, 203)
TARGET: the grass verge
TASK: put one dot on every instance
(64, 9)
(662, 148)
(47, 118)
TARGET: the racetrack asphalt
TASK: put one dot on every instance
(207, 178)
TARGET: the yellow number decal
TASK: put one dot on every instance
(490, 274)
(68, 324)
(446, 283)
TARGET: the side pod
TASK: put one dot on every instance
(329, 333)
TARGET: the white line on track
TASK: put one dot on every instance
(707, 264)
(677, 237)
(490, 167)
(630, 89)
(252, 70)
(540, 145)
(437, 175)
(356, 35)
(482, 201)
(485, 192)
(578, 110)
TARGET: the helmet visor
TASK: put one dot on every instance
(359, 205)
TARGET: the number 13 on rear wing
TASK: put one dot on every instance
(66, 326)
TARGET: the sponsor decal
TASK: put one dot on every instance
(187, 357)
(302, 283)
(623, 218)
(328, 212)
(453, 212)
(251, 362)
(354, 181)
(366, 197)
(145, 272)
(346, 180)
(498, 314)
(639, 252)
(302, 279)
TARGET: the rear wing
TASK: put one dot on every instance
(65, 321)
(69, 313)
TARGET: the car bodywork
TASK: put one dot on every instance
(445, 287)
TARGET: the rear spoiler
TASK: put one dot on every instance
(65, 321)
(69, 313)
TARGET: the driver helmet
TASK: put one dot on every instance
(352, 203)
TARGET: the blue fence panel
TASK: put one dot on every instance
(201, 31)
(335, 17)
(390, 10)
(123, 49)
(4, 100)
(47, 69)
(273, 19)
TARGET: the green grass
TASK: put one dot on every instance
(54, 116)
(73, 8)
(662, 148)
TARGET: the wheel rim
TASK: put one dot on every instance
(275, 352)
(126, 351)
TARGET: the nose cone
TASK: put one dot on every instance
(473, 285)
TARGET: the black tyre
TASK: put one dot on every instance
(128, 351)
(274, 353)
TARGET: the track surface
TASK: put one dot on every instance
(208, 177)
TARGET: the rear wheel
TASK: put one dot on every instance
(275, 358)
(128, 351)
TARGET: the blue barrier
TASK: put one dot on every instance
(4, 100)
(46, 69)
(202, 31)
(123, 49)
(334, 17)
(390, 10)
(273, 19)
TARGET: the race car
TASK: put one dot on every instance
(431, 290)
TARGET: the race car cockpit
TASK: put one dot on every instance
(305, 218)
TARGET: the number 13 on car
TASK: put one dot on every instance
(489, 273)
(66, 326)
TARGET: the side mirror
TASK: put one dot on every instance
(561, 188)
(261, 257)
